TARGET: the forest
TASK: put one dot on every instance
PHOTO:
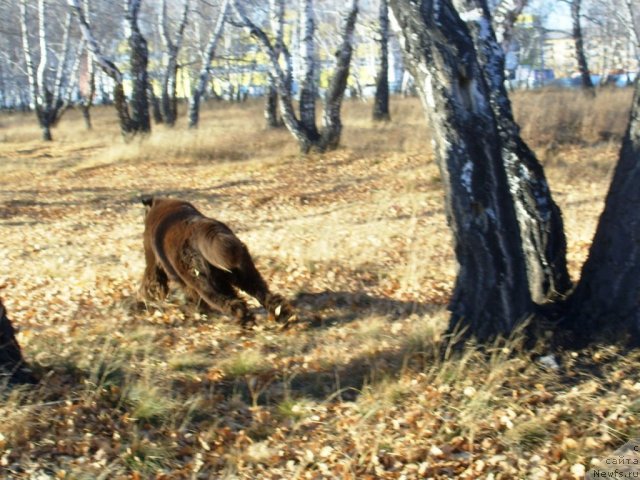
(301, 239)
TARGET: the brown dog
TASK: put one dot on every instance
(206, 258)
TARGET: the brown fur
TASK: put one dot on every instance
(205, 257)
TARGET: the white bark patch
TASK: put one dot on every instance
(428, 91)
(474, 15)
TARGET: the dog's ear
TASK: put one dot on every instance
(147, 200)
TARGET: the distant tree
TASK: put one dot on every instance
(276, 17)
(207, 57)
(581, 58)
(134, 118)
(381, 99)
(50, 88)
(89, 92)
(12, 365)
(304, 127)
(172, 47)
(505, 14)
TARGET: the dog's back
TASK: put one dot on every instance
(173, 223)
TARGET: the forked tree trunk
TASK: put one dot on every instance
(330, 136)
(381, 99)
(491, 293)
(12, 365)
(331, 119)
(48, 96)
(608, 295)
(581, 58)
(539, 218)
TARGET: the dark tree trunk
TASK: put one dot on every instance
(139, 52)
(155, 106)
(169, 92)
(87, 101)
(491, 294)
(271, 107)
(276, 14)
(539, 218)
(585, 75)
(607, 299)
(381, 99)
(139, 102)
(12, 364)
(45, 124)
(120, 102)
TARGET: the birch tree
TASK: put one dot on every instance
(88, 96)
(581, 58)
(505, 15)
(50, 88)
(607, 296)
(448, 44)
(276, 17)
(207, 57)
(304, 127)
(172, 47)
(135, 118)
(381, 98)
(539, 218)
(139, 59)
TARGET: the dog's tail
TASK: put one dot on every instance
(223, 250)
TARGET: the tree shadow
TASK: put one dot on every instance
(329, 307)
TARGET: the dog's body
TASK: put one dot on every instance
(205, 257)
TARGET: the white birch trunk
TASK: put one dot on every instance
(205, 71)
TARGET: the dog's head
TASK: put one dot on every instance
(147, 201)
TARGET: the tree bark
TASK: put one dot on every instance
(156, 109)
(607, 299)
(205, 71)
(491, 295)
(505, 16)
(169, 80)
(271, 106)
(314, 140)
(48, 97)
(308, 90)
(127, 126)
(332, 124)
(139, 59)
(539, 218)
(381, 99)
(276, 13)
(12, 365)
(581, 58)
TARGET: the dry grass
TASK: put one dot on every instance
(357, 238)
